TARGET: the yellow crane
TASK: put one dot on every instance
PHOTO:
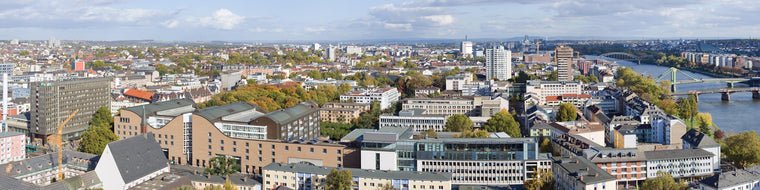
(59, 142)
(538, 43)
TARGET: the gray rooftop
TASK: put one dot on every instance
(582, 169)
(214, 114)
(732, 178)
(137, 156)
(152, 109)
(287, 115)
(698, 139)
(676, 153)
(9, 134)
(374, 174)
(234, 179)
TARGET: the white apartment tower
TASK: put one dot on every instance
(466, 49)
(498, 63)
(331, 53)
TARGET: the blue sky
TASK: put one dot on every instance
(254, 20)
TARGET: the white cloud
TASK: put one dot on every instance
(222, 19)
(440, 20)
(315, 29)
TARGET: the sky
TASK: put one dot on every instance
(255, 20)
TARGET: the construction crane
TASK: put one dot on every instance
(59, 142)
(538, 43)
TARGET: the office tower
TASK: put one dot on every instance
(498, 63)
(52, 101)
(315, 46)
(466, 49)
(564, 58)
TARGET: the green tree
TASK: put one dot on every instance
(663, 181)
(339, 180)
(688, 108)
(743, 149)
(546, 145)
(668, 106)
(102, 118)
(552, 76)
(344, 88)
(430, 133)
(162, 69)
(566, 112)
(458, 123)
(473, 134)
(23, 53)
(222, 165)
(315, 74)
(705, 124)
(503, 122)
(95, 139)
(542, 179)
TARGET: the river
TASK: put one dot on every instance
(735, 116)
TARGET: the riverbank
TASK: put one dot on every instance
(700, 71)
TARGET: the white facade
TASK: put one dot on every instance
(498, 63)
(108, 173)
(419, 122)
(385, 96)
(542, 89)
(466, 49)
(690, 166)
(353, 50)
(379, 160)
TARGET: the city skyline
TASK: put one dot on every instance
(363, 20)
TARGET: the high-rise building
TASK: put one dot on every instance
(564, 58)
(331, 53)
(52, 101)
(315, 46)
(498, 63)
(466, 49)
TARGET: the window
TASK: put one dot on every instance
(234, 143)
(221, 148)
(221, 141)
(286, 148)
(172, 137)
(338, 152)
(299, 149)
(246, 144)
(234, 149)
(246, 151)
(209, 147)
(272, 147)
(209, 134)
(324, 151)
(259, 152)
(159, 135)
(311, 149)
(259, 145)
(246, 157)
(209, 140)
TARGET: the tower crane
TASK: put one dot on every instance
(59, 142)
(538, 52)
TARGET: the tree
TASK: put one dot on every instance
(473, 134)
(566, 112)
(688, 108)
(705, 124)
(668, 106)
(719, 135)
(663, 181)
(95, 139)
(546, 145)
(743, 149)
(162, 69)
(222, 165)
(458, 123)
(542, 179)
(102, 118)
(387, 186)
(552, 76)
(430, 133)
(339, 180)
(503, 122)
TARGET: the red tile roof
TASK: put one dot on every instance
(552, 98)
(138, 94)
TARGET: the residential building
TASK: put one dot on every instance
(457, 82)
(37, 172)
(7, 68)
(484, 106)
(577, 100)
(77, 65)
(693, 139)
(239, 130)
(128, 162)
(341, 112)
(353, 50)
(12, 146)
(744, 179)
(627, 165)
(331, 53)
(592, 131)
(498, 63)
(303, 176)
(427, 90)
(575, 172)
(53, 101)
(466, 48)
(495, 161)
(679, 162)
(541, 130)
(543, 89)
(230, 79)
(240, 182)
(564, 57)
(386, 96)
(415, 119)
